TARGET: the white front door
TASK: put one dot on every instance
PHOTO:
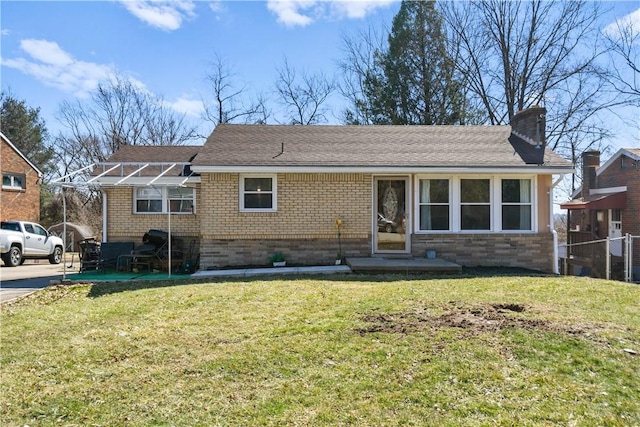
(391, 209)
(615, 231)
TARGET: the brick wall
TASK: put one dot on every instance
(124, 225)
(625, 172)
(303, 228)
(489, 250)
(19, 204)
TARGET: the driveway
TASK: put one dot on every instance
(16, 282)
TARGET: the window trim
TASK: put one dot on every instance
(164, 190)
(12, 176)
(491, 204)
(419, 204)
(495, 204)
(503, 204)
(274, 193)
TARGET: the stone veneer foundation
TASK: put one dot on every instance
(240, 252)
(471, 250)
(531, 251)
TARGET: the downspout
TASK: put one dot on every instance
(554, 233)
(104, 216)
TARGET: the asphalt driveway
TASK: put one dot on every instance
(16, 282)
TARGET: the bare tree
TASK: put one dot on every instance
(623, 41)
(118, 113)
(303, 96)
(358, 63)
(228, 104)
(516, 54)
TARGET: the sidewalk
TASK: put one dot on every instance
(249, 272)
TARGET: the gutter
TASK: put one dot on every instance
(554, 233)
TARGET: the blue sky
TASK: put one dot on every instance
(54, 51)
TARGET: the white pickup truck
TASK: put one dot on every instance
(20, 240)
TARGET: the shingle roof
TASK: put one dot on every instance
(635, 151)
(357, 146)
(155, 153)
(132, 157)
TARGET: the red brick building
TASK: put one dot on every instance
(20, 193)
(607, 205)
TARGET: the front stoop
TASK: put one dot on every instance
(408, 265)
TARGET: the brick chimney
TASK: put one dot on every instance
(590, 164)
(530, 125)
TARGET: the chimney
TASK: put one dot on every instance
(590, 164)
(530, 125)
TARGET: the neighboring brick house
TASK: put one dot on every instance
(20, 193)
(477, 195)
(607, 205)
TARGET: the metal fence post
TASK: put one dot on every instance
(627, 266)
(608, 258)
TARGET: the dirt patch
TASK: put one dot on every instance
(473, 319)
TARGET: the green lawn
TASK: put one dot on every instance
(335, 350)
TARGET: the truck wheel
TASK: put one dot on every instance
(13, 257)
(56, 256)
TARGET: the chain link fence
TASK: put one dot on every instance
(611, 258)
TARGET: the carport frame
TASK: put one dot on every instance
(132, 180)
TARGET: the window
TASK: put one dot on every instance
(180, 199)
(160, 200)
(475, 204)
(258, 193)
(148, 200)
(516, 204)
(14, 181)
(434, 204)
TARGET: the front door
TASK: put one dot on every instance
(615, 231)
(392, 225)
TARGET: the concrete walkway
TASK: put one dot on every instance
(250, 272)
(405, 265)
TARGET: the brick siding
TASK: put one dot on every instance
(21, 205)
(625, 172)
(303, 228)
(489, 250)
(124, 225)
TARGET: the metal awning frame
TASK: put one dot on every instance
(133, 179)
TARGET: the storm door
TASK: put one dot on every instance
(392, 225)
(615, 231)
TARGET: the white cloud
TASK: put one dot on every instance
(5, 32)
(630, 22)
(47, 52)
(54, 67)
(293, 13)
(189, 107)
(163, 14)
(357, 8)
(288, 12)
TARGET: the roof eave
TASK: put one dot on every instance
(529, 169)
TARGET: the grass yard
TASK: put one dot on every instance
(327, 351)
